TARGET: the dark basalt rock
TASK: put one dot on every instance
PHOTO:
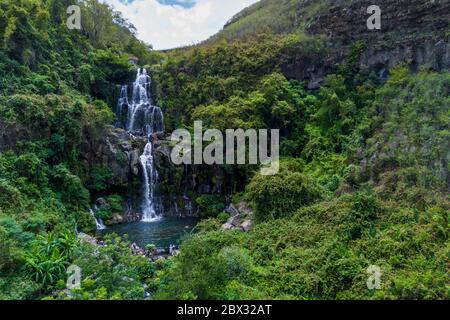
(116, 150)
(177, 184)
(119, 152)
(241, 218)
(412, 31)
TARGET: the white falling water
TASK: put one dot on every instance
(142, 114)
(139, 98)
(123, 101)
(188, 205)
(187, 200)
(98, 221)
(150, 178)
(147, 119)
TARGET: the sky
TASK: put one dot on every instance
(167, 24)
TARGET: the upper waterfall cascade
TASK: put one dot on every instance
(143, 118)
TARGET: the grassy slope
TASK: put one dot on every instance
(272, 16)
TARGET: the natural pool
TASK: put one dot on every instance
(162, 233)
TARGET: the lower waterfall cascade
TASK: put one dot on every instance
(98, 221)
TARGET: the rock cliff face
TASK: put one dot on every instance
(413, 31)
(119, 152)
(180, 185)
(10, 135)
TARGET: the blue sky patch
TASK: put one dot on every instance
(170, 24)
(182, 3)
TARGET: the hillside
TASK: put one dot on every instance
(335, 17)
(271, 16)
(414, 31)
(364, 177)
(58, 148)
(365, 162)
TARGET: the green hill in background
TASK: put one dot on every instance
(271, 16)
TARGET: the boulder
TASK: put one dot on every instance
(244, 209)
(235, 221)
(232, 210)
(87, 239)
(241, 217)
(227, 226)
(102, 204)
(116, 219)
(247, 225)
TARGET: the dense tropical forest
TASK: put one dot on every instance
(365, 160)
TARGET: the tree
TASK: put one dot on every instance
(97, 22)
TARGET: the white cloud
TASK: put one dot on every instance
(166, 26)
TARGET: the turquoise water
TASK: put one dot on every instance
(162, 233)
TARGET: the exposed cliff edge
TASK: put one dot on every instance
(414, 31)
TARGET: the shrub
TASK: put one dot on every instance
(280, 195)
(70, 187)
(223, 217)
(210, 205)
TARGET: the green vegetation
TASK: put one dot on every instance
(56, 89)
(393, 214)
(225, 80)
(278, 196)
(321, 252)
(364, 179)
(110, 272)
(274, 17)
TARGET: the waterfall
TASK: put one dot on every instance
(188, 201)
(139, 98)
(150, 178)
(98, 221)
(123, 102)
(144, 118)
(142, 114)
(188, 205)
